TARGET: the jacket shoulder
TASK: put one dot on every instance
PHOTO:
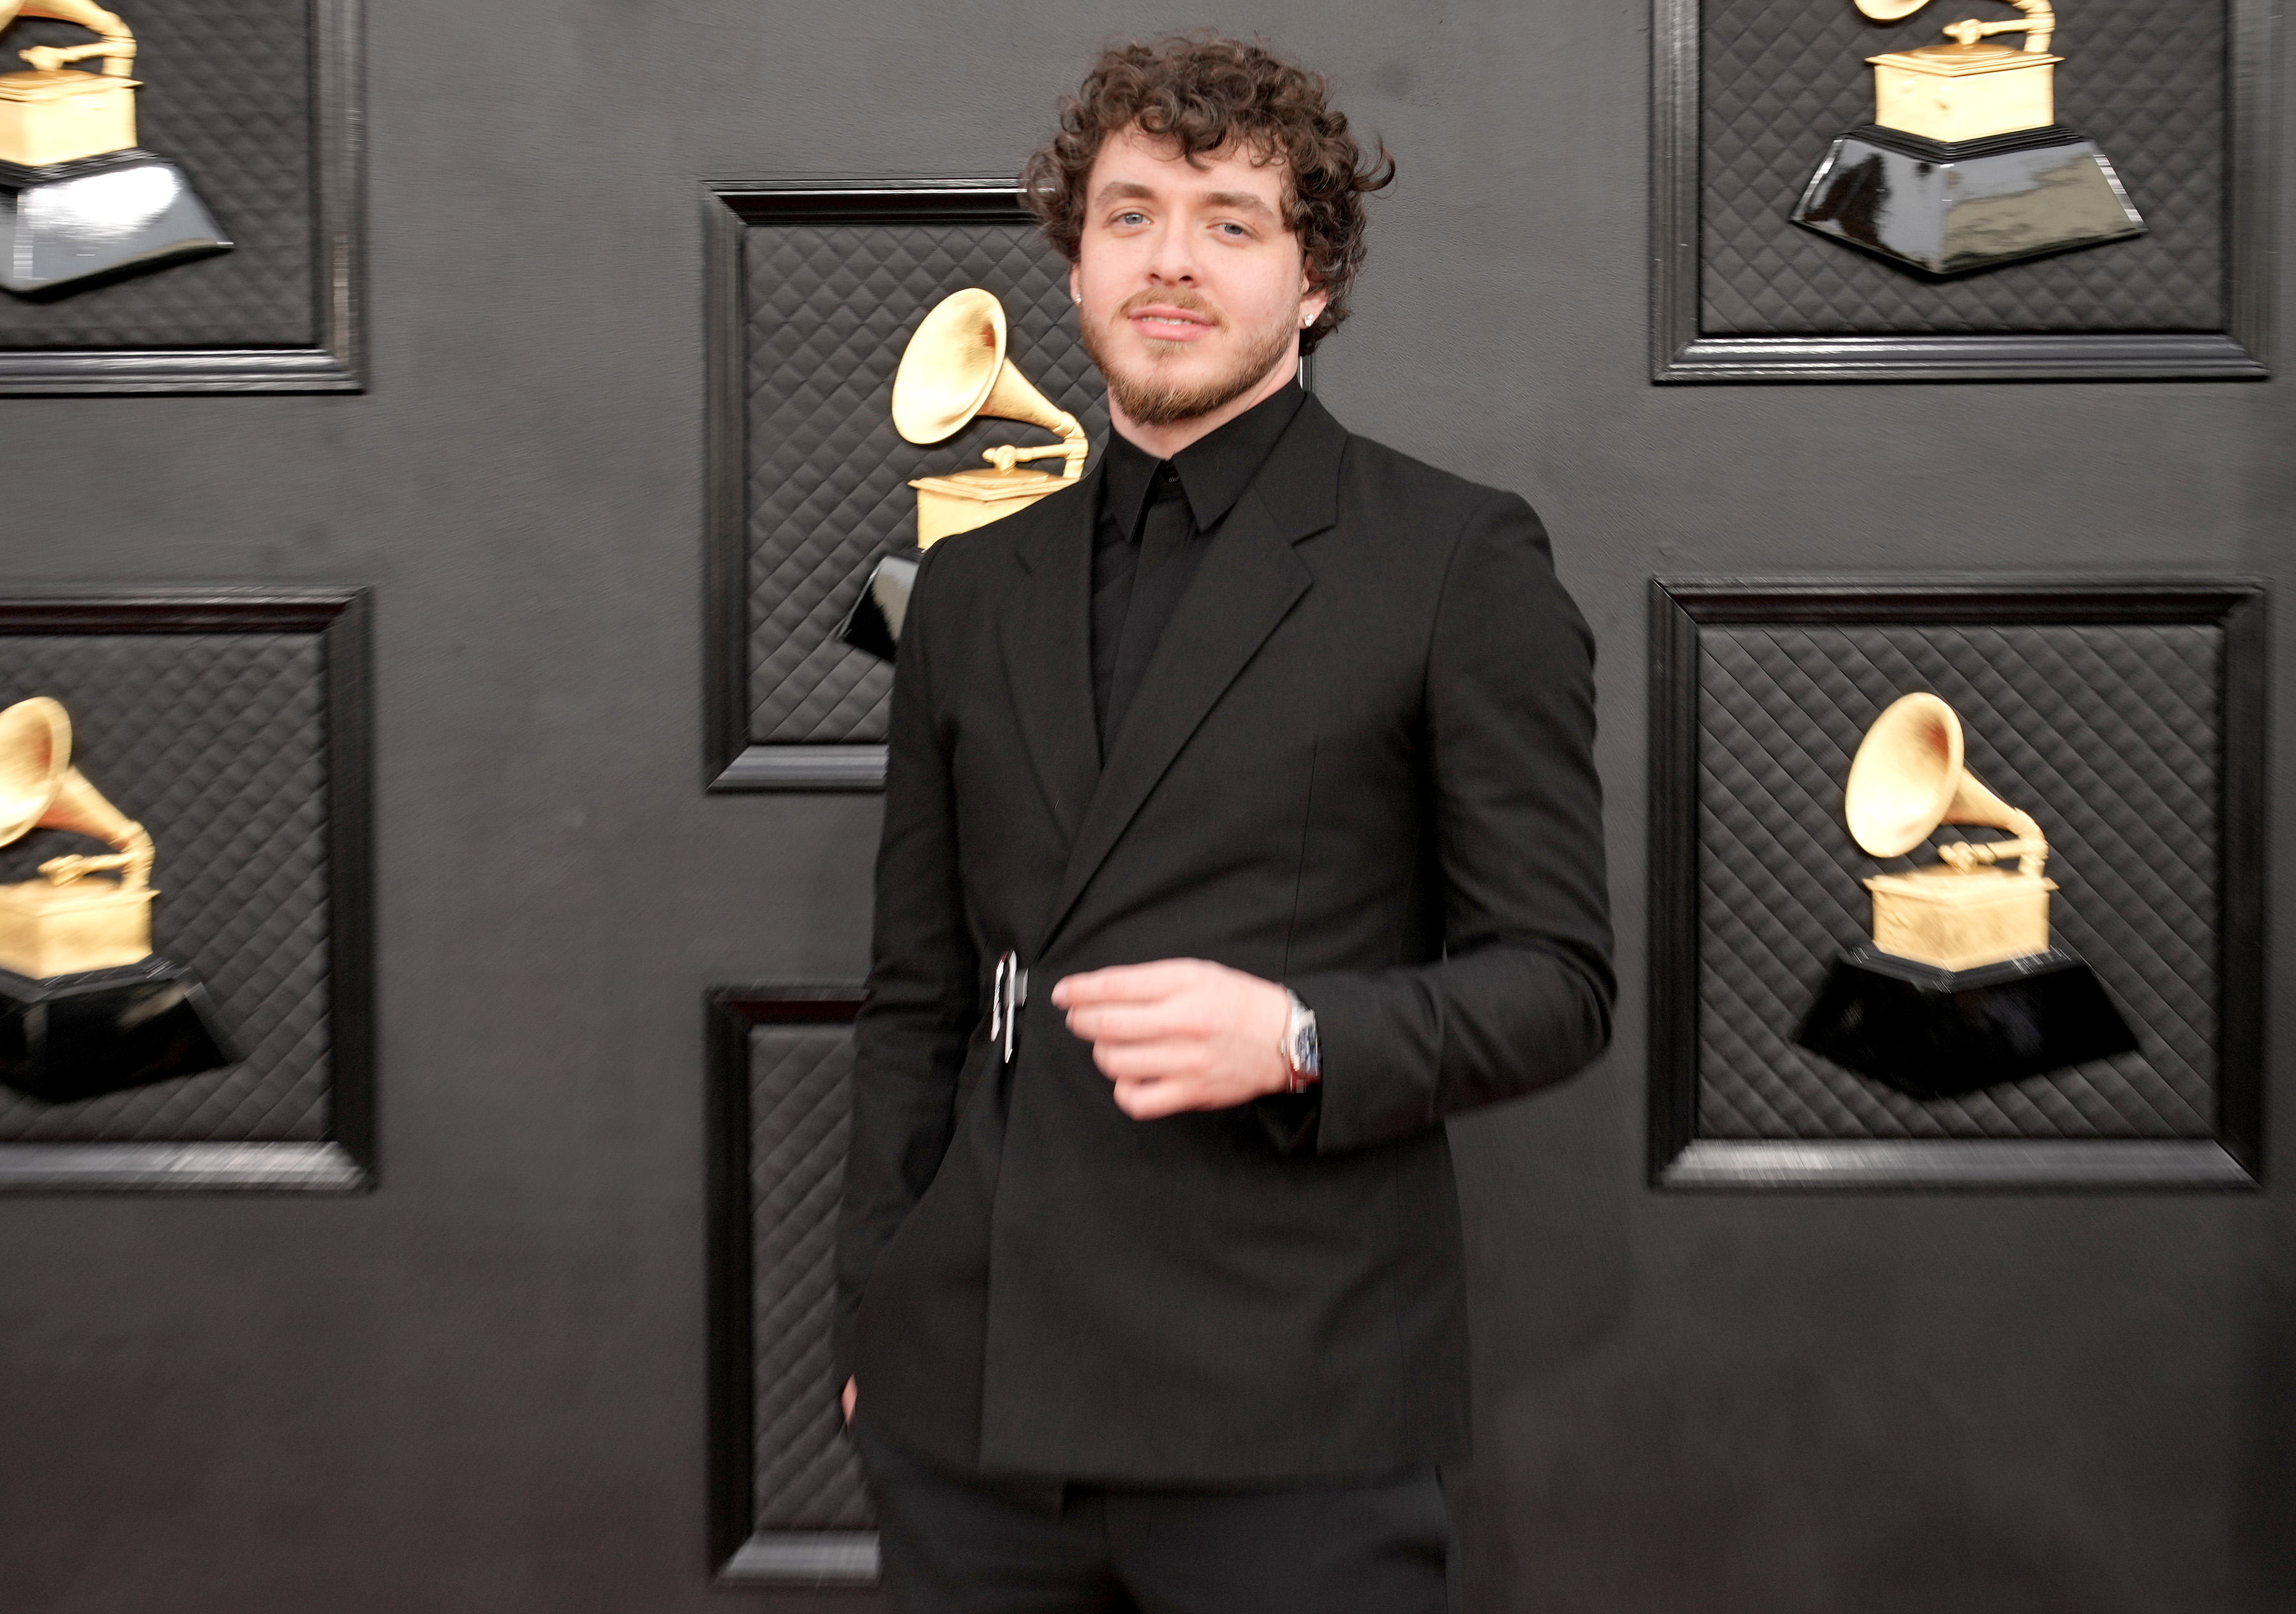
(1375, 475)
(1423, 516)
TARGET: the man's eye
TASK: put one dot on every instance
(1233, 231)
(1132, 218)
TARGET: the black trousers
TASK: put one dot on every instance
(954, 1546)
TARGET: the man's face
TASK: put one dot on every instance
(1192, 288)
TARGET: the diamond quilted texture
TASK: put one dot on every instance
(2109, 736)
(807, 1475)
(1781, 78)
(216, 743)
(228, 93)
(829, 309)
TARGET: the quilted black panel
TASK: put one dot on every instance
(1782, 78)
(2109, 736)
(807, 1476)
(829, 309)
(227, 93)
(216, 743)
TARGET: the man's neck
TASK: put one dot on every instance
(1163, 442)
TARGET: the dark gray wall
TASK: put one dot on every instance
(481, 1387)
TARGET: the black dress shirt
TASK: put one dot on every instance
(1157, 518)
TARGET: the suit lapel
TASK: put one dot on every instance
(1247, 583)
(1045, 629)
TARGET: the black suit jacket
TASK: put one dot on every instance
(1360, 763)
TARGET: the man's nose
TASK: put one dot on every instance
(1173, 262)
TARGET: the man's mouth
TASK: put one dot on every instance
(1165, 323)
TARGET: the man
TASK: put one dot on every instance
(1241, 825)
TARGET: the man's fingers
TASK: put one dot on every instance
(1164, 1020)
(1153, 1100)
(1124, 983)
(1149, 1061)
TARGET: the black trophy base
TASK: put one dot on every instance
(875, 622)
(1951, 208)
(79, 1037)
(78, 223)
(1935, 1033)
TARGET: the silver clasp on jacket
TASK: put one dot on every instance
(1007, 991)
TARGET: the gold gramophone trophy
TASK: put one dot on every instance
(85, 1007)
(952, 371)
(1966, 165)
(1962, 988)
(78, 199)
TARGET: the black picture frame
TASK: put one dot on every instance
(1682, 352)
(731, 761)
(336, 361)
(345, 1162)
(740, 1553)
(1678, 1158)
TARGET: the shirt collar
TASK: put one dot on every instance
(1214, 470)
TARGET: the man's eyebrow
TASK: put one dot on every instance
(1239, 201)
(1116, 188)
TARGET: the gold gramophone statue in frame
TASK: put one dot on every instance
(68, 921)
(79, 202)
(85, 1007)
(1961, 986)
(1909, 779)
(1966, 165)
(954, 370)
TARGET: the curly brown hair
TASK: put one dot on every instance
(1206, 94)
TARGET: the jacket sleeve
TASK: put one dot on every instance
(923, 984)
(1522, 994)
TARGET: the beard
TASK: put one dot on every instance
(1152, 400)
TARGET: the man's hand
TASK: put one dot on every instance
(1180, 1034)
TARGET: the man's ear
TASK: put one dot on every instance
(1076, 284)
(1313, 301)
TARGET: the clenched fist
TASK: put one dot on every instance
(1180, 1034)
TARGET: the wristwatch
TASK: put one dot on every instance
(1302, 1056)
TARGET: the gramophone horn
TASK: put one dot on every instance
(35, 755)
(950, 366)
(1908, 778)
(954, 368)
(1904, 776)
(40, 790)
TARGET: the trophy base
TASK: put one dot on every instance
(48, 929)
(963, 500)
(79, 1037)
(1933, 1033)
(1946, 919)
(1950, 207)
(874, 623)
(70, 225)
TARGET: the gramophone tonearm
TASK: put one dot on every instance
(2037, 24)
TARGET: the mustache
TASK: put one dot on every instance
(1187, 302)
